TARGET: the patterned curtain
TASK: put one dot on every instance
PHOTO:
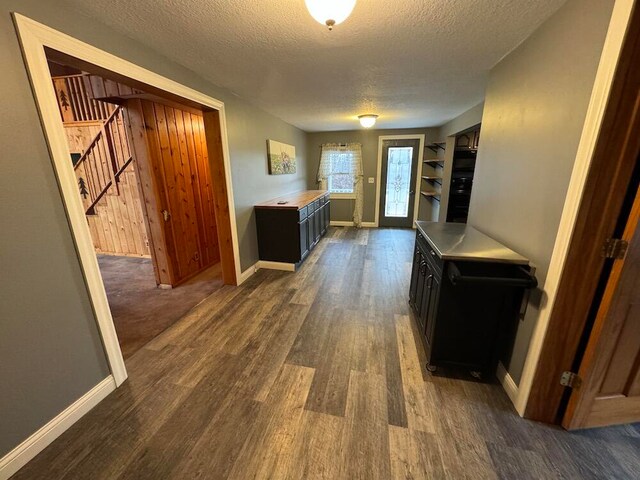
(343, 164)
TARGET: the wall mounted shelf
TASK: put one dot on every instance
(434, 147)
(433, 179)
(433, 195)
(435, 161)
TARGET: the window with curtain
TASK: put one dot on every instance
(340, 172)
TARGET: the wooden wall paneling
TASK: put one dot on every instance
(111, 88)
(114, 224)
(134, 210)
(152, 192)
(190, 133)
(97, 86)
(173, 206)
(88, 112)
(64, 102)
(184, 124)
(206, 186)
(184, 190)
(80, 135)
(119, 206)
(216, 163)
(112, 242)
(206, 183)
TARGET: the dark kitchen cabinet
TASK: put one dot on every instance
(290, 226)
(464, 308)
(304, 238)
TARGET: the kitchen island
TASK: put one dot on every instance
(466, 293)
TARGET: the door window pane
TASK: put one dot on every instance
(399, 161)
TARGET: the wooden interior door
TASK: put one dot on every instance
(173, 164)
(610, 368)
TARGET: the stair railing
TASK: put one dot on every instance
(107, 156)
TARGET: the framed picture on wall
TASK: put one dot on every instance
(282, 158)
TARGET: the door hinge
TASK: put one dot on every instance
(614, 248)
(570, 379)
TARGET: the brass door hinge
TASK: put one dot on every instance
(614, 248)
(570, 379)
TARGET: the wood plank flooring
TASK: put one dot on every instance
(317, 374)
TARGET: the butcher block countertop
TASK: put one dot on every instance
(293, 200)
(458, 241)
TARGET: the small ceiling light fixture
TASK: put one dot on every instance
(330, 12)
(367, 120)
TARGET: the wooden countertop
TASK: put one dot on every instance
(294, 200)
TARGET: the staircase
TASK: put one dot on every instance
(105, 159)
(107, 154)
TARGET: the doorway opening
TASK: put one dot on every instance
(142, 170)
(39, 42)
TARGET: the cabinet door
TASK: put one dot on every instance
(312, 230)
(327, 218)
(420, 291)
(304, 238)
(415, 271)
(425, 298)
(323, 218)
(318, 228)
(432, 311)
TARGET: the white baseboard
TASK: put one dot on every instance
(32, 446)
(339, 223)
(287, 267)
(507, 383)
(247, 273)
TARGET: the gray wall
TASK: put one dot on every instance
(534, 111)
(50, 350)
(342, 210)
(468, 119)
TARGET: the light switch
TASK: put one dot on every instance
(371, 180)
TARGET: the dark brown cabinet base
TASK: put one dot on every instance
(288, 232)
(465, 310)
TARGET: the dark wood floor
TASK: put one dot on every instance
(317, 374)
(139, 308)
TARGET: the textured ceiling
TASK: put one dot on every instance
(414, 62)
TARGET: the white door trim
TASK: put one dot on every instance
(416, 201)
(34, 37)
(595, 113)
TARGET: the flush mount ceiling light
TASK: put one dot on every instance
(330, 12)
(367, 120)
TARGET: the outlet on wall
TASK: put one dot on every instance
(372, 180)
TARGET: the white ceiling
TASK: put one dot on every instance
(414, 62)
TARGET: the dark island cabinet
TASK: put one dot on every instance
(290, 227)
(465, 306)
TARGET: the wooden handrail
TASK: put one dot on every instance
(97, 137)
(116, 176)
(104, 160)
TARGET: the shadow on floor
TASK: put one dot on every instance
(139, 308)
